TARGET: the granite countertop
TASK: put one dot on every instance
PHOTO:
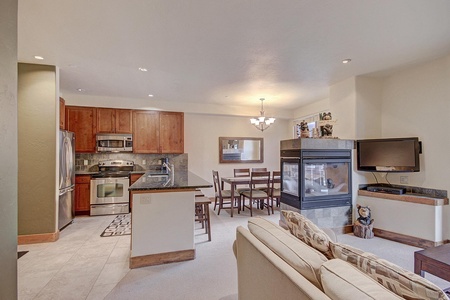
(178, 180)
(153, 172)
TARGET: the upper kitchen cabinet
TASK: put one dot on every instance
(82, 121)
(62, 113)
(171, 132)
(158, 132)
(112, 120)
(146, 131)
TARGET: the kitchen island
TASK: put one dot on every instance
(162, 218)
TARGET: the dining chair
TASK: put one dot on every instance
(221, 195)
(275, 189)
(259, 187)
(259, 169)
(240, 188)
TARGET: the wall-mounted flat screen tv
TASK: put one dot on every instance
(388, 155)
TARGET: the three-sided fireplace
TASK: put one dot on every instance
(316, 180)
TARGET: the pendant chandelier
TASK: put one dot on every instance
(261, 122)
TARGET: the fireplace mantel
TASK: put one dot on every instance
(320, 143)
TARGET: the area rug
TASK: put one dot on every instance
(21, 253)
(121, 225)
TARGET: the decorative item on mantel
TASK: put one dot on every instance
(326, 125)
(302, 129)
(363, 226)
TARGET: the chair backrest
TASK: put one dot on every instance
(260, 180)
(216, 181)
(276, 181)
(241, 172)
(259, 169)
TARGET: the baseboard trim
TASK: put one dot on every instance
(37, 238)
(405, 239)
(161, 258)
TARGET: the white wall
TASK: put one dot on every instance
(8, 149)
(201, 142)
(343, 108)
(312, 108)
(416, 103)
(368, 107)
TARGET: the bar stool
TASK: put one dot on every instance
(202, 214)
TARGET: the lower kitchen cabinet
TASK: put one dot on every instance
(82, 194)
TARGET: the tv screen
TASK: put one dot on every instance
(388, 155)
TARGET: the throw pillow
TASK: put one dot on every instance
(308, 232)
(303, 258)
(400, 281)
(341, 280)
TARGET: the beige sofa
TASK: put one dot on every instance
(305, 263)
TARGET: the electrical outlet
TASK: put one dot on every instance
(85, 162)
(144, 161)
(404, 179)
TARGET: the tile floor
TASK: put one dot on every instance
(80, 265)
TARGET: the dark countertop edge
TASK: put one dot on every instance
(131, 172)
(170, 188)
(85, 173)
(201, 183)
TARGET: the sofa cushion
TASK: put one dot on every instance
(301, 257)
(341, 280)
(400, 281)
(308, 232)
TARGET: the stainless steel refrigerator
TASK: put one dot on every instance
(66, 211)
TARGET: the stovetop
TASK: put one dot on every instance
(114, 168)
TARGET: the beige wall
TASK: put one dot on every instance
(202, 134)
(8, 149)
(38, 126)
(416, 103)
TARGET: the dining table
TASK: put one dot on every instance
(233, 182)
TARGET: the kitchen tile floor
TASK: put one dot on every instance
(80, 265)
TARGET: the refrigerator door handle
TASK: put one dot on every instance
(65, 191)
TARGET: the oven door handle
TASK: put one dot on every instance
(107, 180)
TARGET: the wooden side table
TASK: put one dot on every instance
(434, 260)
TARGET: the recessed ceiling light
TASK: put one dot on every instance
(150, 95)
(143, 69)
(80, 90)
(346, 61)
(38, 57)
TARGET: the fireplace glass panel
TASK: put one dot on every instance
(290, 178)
(326, 179)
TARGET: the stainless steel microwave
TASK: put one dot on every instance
(114, 142)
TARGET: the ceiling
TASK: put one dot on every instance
(231, 52)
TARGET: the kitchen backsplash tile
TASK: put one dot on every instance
(88, 162)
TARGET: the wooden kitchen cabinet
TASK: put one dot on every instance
(62, 113)
(112, 120)
(146, 131)
(171, 138)
(158, 132)
(83, 121)
(82, 194)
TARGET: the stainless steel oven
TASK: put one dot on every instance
(109, 188)
(109, 195)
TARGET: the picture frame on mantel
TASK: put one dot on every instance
(241, 150)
